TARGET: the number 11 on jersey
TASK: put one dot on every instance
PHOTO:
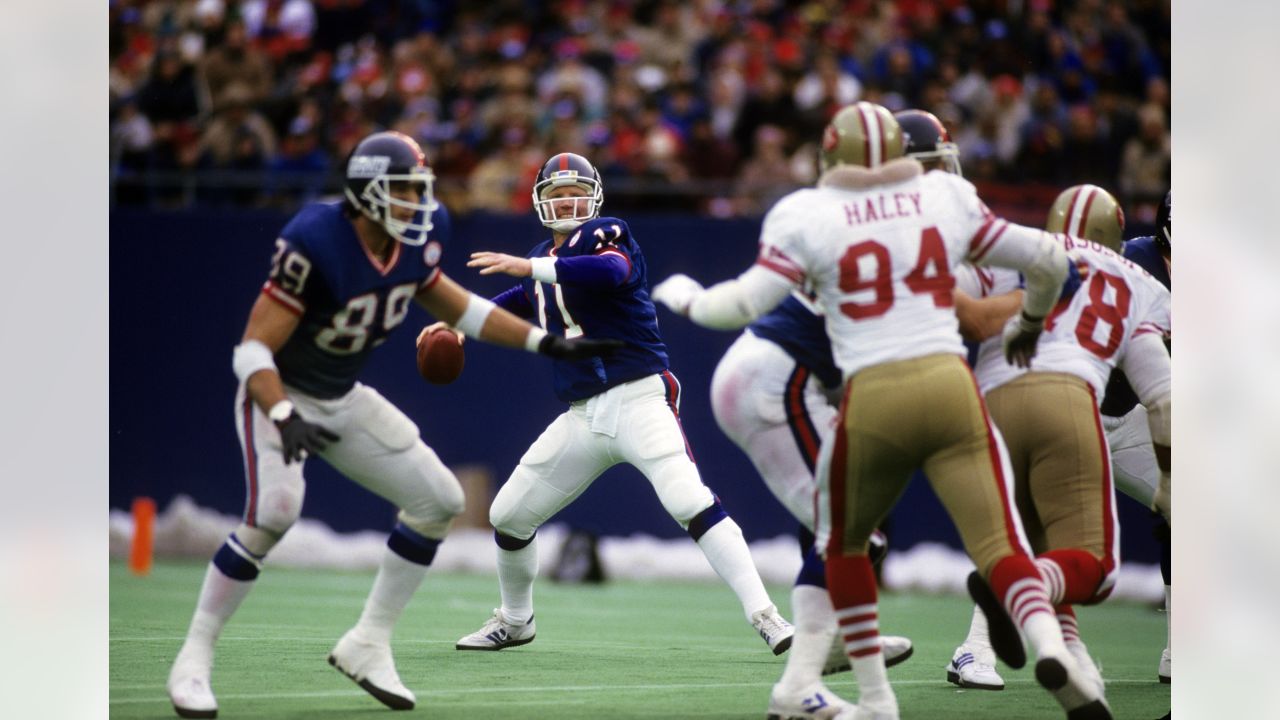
(571, 328)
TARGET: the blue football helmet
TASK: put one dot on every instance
(376, 162)
(928, 141)
(568, 169)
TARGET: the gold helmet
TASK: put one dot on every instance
(862, 134)
(1089, 212)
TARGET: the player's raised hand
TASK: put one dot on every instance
(677, 292)
(1021, 334)
(300, 437)
(438, 326)
(577, 348)
(492, 262)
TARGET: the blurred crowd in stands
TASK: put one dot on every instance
(711, 106)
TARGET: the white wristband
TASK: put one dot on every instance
(280, 411)
(472, 320)
(534, 339)
(251, 356)
(543, 269)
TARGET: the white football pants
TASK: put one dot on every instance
(637, 422)
(380, 449)
(1133, 461)
(778, 413)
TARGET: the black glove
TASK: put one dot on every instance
(578, 348)
(1021, 334)
(300, 437)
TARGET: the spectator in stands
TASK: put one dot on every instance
(826, 88)
(170, 93)
(766, 176)
(237, 141)
(501, 182)
(1010, 112)
(1144, 166)
(770, 102)
(236, 61)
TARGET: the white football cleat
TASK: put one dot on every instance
(968, 669)
(1165, 670)
(188, 685)
(1087, 666)
(497, 633)
(370, 665)
(775, 630)
(814, 702)
(870, 711)
(1063, 678)
(896, 649)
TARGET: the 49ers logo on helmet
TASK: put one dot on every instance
(830, 138)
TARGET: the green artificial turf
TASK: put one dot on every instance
(621, 650)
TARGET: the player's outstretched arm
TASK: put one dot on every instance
(728, 305)
(982, 318)
(480, 318)
(1042, 262)
(269, 328)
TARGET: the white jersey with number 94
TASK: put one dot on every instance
(881, 259)
(1088, 335)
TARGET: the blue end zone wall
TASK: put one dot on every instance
(181, 288)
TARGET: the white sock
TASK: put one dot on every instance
(979, 638)
(1168, 619)
(873, 681)
(219, 597)
(729, 557)
(398, 579)
(516, 571)
(815, 623)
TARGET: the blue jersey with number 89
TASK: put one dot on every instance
(347, 299)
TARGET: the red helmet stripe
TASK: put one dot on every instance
(1071, 206)
(866, 136)
(1084, 214)
(943, 135)
(564, 161)
(413, 145)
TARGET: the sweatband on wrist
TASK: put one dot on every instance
(534, 339)
(472, 320)
(251, 356)
(280, 411)
(543, 269)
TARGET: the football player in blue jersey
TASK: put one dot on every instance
(1090, 212)
(589, 280)
(341, 279)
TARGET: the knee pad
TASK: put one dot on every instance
(434, 529)
(682, 494)
(510, 514)
(257, 540)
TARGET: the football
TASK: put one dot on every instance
(440, 357)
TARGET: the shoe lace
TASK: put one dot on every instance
(770, 625)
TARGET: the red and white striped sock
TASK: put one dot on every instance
(1070, 626)
(1017, 583)
(852, 585)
